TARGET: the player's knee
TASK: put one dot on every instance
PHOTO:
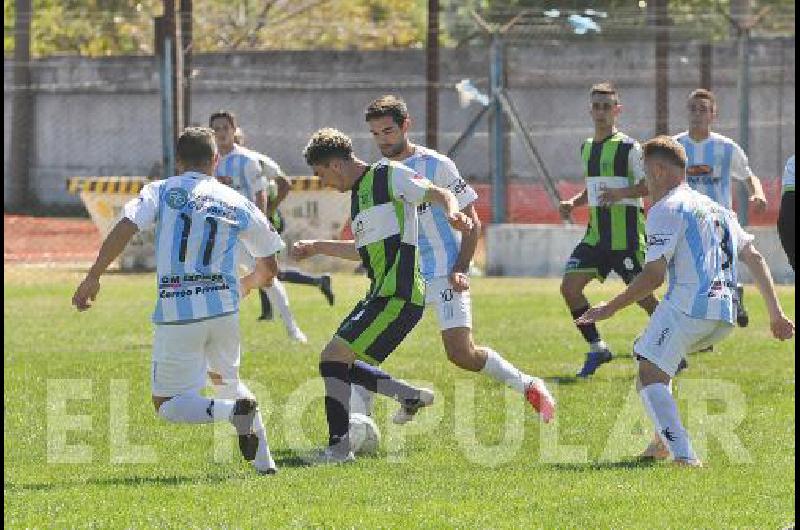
(569, 289)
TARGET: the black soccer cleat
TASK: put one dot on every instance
(325, 287)
(266, 306)
(683, 365)
(742, 318)
(244, 414)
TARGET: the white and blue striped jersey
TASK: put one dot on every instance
(700, 241)
(787, 180)
(711, 165)
(241, 169)
(439, 243)
(198, 223)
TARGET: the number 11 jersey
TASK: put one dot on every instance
(700, 239)
(198, 222)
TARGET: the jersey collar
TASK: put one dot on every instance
(195, 175)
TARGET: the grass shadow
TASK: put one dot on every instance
(594, 466)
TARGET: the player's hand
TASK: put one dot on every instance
(601, 311)
(86, 291)
(459, 281)
(759, 203)
(302, 249)
(609, 196)
(565, 208)
(460, 221)
(782, 327)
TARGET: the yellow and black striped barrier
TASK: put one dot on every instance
(133, 185)
(110, 185)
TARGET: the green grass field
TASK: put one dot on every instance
(441, 476)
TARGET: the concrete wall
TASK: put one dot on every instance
(542, 250)
(102, 116)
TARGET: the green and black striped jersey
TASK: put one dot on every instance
(384, 222)
(615, 162)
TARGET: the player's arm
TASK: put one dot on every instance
(283, 190)
(260, 201)
(756, 193)
(469, 242)
(612, 195)
(263, 273)
(647, 281)
(782, 327)
(344, 249)
(565, 207)
(112, 247)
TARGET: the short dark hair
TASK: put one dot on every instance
(702, 93)
(388, 105)
(228, 115)
(196, 146)
(606, 87)
(666, 148)
(326, 144)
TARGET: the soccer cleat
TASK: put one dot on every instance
(687, 462)
(742, 318)
(244, 413)
(298, 336)
(656, 450)
(266, 306)
(407, 411)
(683, 365)
(325, 287)
(541, 399)
(593, 361)
(329, 455)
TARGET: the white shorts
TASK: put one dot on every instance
(183, 353)
(453, 309)
(671, 334)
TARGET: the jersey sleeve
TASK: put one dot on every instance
(259, 237)
(664, 230)
(448, 177)
(741, 237)
(636, 163)
(740, 167)
(143, 209)
(252, 172)
(407, 185)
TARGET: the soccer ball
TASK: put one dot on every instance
(364, 434)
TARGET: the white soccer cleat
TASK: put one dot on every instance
(407, 411)
(297, 336)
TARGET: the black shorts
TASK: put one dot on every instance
(377, 326)
(588, 259)
(786, 225)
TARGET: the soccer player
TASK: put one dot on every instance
(786, 214)
(239, 168)
(614, 240)
(713, 161)
(384, 197)
(198, 223)
(700, 243)
(446, 256)
(276, 188)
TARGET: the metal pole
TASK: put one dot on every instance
(779, 135)
(185, 11)
(706, 60)
(432, 67)
(662, 68)
(167, 115)
(496, 131)
(744, 113)
(22, 109)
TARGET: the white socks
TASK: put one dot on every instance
(263, 461)
(193, 408)
(663, 411)
(362, 401)
(505, 372)
(278, 297)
